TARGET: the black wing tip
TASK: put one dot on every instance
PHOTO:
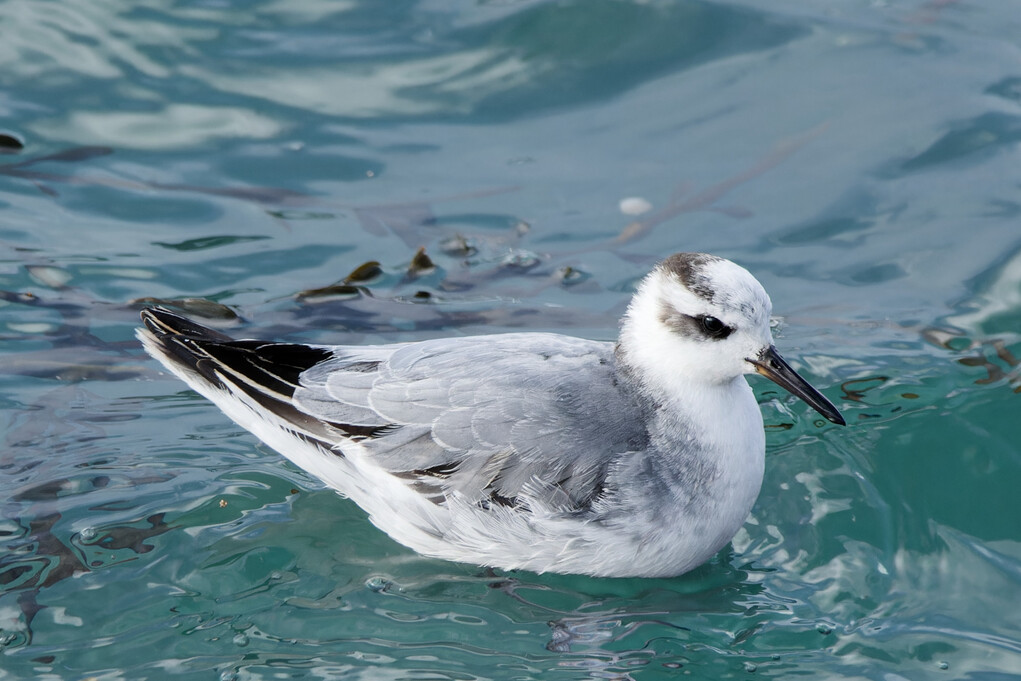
(176, 340)
(161, 322)
(267, 372)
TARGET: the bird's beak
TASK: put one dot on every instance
(770, 364)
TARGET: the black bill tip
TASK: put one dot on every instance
(770, 364)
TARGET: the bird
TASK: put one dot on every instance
(527, 451)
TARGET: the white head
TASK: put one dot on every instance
(700, 319)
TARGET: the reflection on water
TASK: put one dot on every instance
(358, 61)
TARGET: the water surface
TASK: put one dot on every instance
(861, 159)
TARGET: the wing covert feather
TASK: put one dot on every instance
(483, 415)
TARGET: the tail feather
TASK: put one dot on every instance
(197, 353)
(266, 373)
(162, 322)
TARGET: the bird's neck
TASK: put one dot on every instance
(679, 407)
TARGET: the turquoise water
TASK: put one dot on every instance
(860, 158)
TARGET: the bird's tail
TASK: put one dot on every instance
(262, 374)
(180, 344)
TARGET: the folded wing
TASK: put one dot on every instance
(485, 418)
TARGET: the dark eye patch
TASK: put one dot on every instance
(704, 327)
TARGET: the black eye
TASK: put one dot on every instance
(714, 328)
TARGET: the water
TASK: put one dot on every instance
(860, 158)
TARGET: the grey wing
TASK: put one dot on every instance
(489, 418)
